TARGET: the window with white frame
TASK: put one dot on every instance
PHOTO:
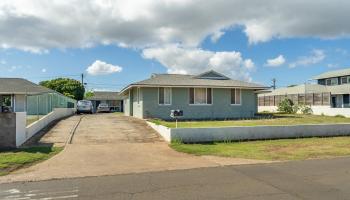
(164, 96)
(344, 80)
(332, 81)
(236, 96)
(200, 96)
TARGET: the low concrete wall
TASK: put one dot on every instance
(7, 130)
(267, 108)
(32, 129)
(317, 110)
(252, 132)
(21, 121)
(165, 132)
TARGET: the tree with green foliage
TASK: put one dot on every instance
(286, 106)
(66, 86)
(89, 94)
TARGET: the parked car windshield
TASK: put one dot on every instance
(103, 105)
(84, 103)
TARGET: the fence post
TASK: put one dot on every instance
(37, 107)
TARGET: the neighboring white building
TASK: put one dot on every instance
(329, 96)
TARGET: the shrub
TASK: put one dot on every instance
(340, 116)
(287, 106)
(305, 109)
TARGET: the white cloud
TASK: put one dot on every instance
(39, 25)
(43, 70)
(194, 61)
(102, 68)
(216, 36)
(316, 56)
(14, 68)
(275, 62)
(3, 62)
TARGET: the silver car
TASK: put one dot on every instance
(84, 106)
(103, 107)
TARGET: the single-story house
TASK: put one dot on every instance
(21, 95)
(209, 95)
(14, 92)
(112, 99)
(329, 95)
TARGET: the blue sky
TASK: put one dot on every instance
(117, 58)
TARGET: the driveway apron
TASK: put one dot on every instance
(109, 144)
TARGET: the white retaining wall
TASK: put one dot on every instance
(251, 132)
(317, 110)
(58, 113)
(20, 128)
(165, 132)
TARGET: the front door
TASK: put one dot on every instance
(346, 100)
(334, 101)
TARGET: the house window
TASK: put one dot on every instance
(236, 96)
(328, 82)
(344, 80)
(164, 96)
(6, 100)
(200, 96)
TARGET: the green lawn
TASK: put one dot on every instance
(271, 119)
(15, 159)
(283, 149)
(33, 118)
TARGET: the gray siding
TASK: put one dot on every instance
(220, 109)
(20, 103)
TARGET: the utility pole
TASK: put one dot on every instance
(273, 83)
(82, 79)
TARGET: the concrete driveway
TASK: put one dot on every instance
(109, 144)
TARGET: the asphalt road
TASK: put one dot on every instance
(315, 179)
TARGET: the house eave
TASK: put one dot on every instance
(193, 86)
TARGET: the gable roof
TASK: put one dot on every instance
(335, 73)
(104, 95)
(180, 80)
(212, 75)
(21, 86)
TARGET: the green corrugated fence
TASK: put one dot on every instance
(44, 103)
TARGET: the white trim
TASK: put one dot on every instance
(171, 97)
(240, 97)
(14, 103)
(206, 97)
(193, 86)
